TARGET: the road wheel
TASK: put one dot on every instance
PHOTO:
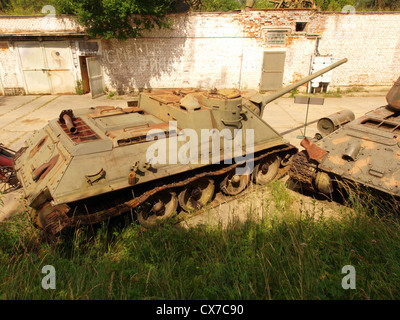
(266, 170)
(158, 209)
(197, 194)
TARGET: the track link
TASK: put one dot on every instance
(304, 170)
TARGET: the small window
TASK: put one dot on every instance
(301, 26)
(88, 48)
(276, 37)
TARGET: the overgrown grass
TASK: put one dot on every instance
(285, 254)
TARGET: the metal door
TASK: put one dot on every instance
(95, 77)
(46, 67)
(59, 64)
(273, 67)
(319, 63)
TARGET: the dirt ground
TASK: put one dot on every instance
(259, 202)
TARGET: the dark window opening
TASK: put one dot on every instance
(301, 26)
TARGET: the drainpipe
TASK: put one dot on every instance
(316, 47)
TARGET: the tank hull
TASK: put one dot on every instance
(364, 152)
(115, 159)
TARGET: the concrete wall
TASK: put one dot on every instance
(210, 50)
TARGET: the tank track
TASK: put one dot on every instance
(58, 220)
(304, 170)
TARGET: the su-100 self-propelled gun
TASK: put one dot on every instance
(90, 165)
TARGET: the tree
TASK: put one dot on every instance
(23, 7)
(120, 19)
(220, 5)
(334, 5)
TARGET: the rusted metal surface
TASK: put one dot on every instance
(165, 97)
(38, 146)
(66, 117)
(303, 170)
(55, 222)
(365, 151)
(93, 178)
(109, 111)
(8, 179)
(196, 195)
(44, 169)
(314, 152)
(138, 134)
(83, 131)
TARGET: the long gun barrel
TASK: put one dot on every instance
(293, 86)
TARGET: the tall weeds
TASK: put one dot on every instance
(288, 253)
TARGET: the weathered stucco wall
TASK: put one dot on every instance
(9, 70)
(214, 50)
(208, 50)
(371, 42)
(225, 49)
(38, 24)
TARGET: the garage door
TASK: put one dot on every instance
(47, 67)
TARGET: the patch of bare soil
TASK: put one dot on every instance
(13, 202)
(263, 201)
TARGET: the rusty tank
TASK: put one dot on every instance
(354, 152)
(164, 155)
